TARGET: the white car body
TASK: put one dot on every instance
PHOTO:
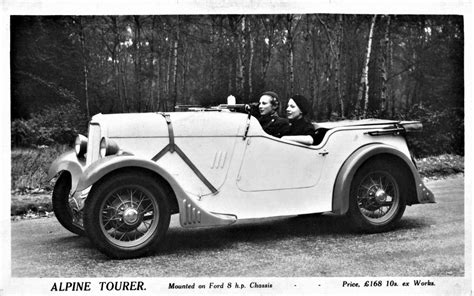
(222, 167)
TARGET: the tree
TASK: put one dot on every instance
(291, 27)
(151, 63)
(384, 67)
(364, 81)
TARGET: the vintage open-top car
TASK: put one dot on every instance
(121, 184)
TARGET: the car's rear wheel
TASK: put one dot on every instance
(127, 215)
(61, 207)
(377, 196)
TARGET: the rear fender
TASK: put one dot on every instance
(342, 186)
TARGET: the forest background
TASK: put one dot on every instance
(66, 68)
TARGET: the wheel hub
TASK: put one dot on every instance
(380, 196)
(130, 216)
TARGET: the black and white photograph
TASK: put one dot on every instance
(236, 148)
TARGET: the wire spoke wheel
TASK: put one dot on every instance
(378, 197)
(127, 215)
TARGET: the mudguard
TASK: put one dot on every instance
(341, 192)
(106, 165)
(191, 214)
(68, 161)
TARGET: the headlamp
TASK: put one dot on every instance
(80, 146)
(108, 147)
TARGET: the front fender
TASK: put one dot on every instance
(68, 161)
(108, 164)
(342, 186)
(191, 214)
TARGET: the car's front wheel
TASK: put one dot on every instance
(377, 196)
(61, 207)
(127, 215)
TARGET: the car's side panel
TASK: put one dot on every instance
(348, 170)
(270, 165)
(212, 156)
(250, 204)
(144, 148)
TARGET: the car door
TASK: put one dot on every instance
(275, 164)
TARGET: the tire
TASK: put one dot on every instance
(127, 215)
(61, 208)
(377, 196)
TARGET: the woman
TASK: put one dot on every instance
(301, 129)
(271, 123)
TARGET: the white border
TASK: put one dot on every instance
(158, 286)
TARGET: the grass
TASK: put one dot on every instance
(31, 192)
(30, 168)
(441, 165)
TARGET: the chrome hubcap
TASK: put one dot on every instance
(381, 196)
(378, 197)
(130, 216)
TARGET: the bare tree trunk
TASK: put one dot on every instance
(239, 78)
(331, 70)
(168, 78)
(137, 63)
(270, 27)
(249, 75)
(239, 75)
(158, 84)
(309, 58)
(390, 63)
(315, 81)
(214, 43)
(337, 66)
(185, 71)
(155, 67)
(117, 84)
(85, 68)
(175, 73)
(326, 101)
(114, 51)
(289, 37)
(364, 80)
(231, 80)
(266, 60)
(126, 106)
(384, 45)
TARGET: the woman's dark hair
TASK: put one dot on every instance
(302, 103)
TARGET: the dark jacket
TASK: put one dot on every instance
(274, 125)
(302, 127)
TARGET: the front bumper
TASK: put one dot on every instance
(76, 203)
